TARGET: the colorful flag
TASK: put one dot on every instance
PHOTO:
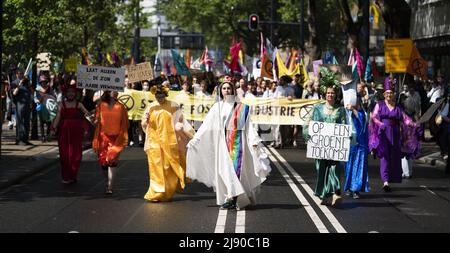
(368, 74)
(304, 74)
(335, 61)
(351, 59)
(359, 63)
(234, 52)
(188, 58)
(282, 70)
(180, 66)
(417, 65)
(266, 67)
(85, 57)
(205, 61)
(262, 49)
(108, 58)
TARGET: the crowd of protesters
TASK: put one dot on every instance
(49, 99)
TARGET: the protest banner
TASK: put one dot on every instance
(100, 78)
(193, 107)
(272, 111)
(328, 141)
(280, 111)
(139, 72)
(397, 53)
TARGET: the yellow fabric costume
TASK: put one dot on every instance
(167, 134)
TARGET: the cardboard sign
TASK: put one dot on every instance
(100, 78)
(43, 61)
(397, 53)
(70, 65)
(140, 72)
(328, 141)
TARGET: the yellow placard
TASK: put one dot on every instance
(70, 65)
(397, 53)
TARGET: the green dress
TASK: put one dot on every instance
(328, 171)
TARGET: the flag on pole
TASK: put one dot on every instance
(179, 64)
(351, 59)
(334, 60)
(85, 57)
(417, 65)
(368, 74)
(282, 70)
(266, 67)
(205, 61)
(234, 52)
(359, 63)
(188, 58)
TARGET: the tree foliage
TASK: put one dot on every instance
(63, 27)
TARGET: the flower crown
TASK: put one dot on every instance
(159, 89)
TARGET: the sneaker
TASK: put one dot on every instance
(228, 205)
(294, 144)
(356, 195)
(348, 193)
(386, 188)
(337, 199)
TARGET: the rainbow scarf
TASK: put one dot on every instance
(235, 135)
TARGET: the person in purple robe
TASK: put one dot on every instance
(392, 135)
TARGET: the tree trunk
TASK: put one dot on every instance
(312, 46)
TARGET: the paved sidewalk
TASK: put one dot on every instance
(431, 153)
(19, 162)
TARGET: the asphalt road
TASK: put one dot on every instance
(285, 203)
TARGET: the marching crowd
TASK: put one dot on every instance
(226, 151)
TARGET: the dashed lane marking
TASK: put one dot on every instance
(221, 221)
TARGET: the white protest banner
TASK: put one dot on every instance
(140, 72)
(328, 141)
(100, 78)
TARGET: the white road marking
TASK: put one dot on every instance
(221, 221)
(240, 221)
(315, 218)
(334, 222)
(428, 190)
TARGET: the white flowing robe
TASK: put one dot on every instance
(209, 162)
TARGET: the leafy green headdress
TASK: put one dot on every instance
(328, 79)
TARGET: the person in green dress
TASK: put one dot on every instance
(328, 187)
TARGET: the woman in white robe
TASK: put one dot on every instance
(226, 153)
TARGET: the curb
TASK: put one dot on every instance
(432, 159)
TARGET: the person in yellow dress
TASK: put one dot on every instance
(167, 134)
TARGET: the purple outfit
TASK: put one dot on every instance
(393, 135)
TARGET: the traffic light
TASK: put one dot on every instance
(253, 21)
